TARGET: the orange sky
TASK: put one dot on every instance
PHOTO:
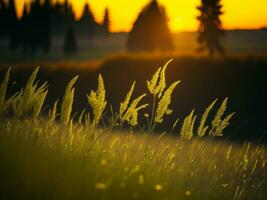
(182, 14)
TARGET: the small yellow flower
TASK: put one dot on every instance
(146, 115)
(187, 193)
(158, 187)
(103, 162)
(141, 179)
(100, 186)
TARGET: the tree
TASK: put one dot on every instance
(87, 25)
(13, 26)
(106, 22)
(11, 16)
(210, 28)
(3, 19)
(150, 31)
(70, 44)
(25, 30)
(46, 26)
(68, 14)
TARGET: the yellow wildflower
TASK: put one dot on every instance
(158, 187)
(100, 186)
(141, 179)
(103, 162)
(187, 193)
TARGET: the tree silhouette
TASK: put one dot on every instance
(87, 24)
(3, 19)
(150, 31)
(13, 26)
(46, 26)
(70, 44)
(106, 22)
(210, 29)
(45, 20)
(25, 30)
(12, 16)
(69, 15)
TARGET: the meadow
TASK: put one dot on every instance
(112, 154)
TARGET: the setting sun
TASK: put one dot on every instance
(182, 14)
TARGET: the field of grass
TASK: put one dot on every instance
(51, 161)
(55, 156)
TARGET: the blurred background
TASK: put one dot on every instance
(219, 49)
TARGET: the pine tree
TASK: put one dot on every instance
(150, 31)
(46, 26)
(87, 24)
(70, 44)
(58, 19)
(25, 30)
(106, 22)
(11, 16)
(210, 29)
(35, 26)
(68, 14)
(13, 26)
(3, 18)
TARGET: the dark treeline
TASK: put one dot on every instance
(42, 20)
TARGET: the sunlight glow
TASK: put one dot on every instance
(182, 14)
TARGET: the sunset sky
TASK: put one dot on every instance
(182, 14)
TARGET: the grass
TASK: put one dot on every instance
(42, 161)
(46, 158)
(203, 80)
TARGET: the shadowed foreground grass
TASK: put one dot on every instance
(61, 157)
(43, 160)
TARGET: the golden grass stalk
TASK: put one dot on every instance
(124, 105)
(219, 123)
(3, 89)
(53, 112)
(66, 106)
(131, 114)
(202, 129)
(188, 126)
(30, 100)
(157, 83)
(97, 100)
(164, 102)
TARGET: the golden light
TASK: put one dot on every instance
(182, 14)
